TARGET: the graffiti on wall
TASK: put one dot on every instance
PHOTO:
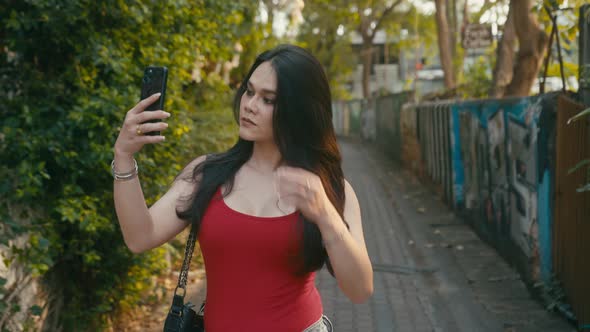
(522, 147)
(495, 167)
(482, 148)
(499, 171)
(497, 205)
(505, 164)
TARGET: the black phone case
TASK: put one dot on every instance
(154, 81)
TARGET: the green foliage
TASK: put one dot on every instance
(567, 27)
(477, 79)
(320, 36)
(579, 116)
(254, 37)
(567, 18)
(421, 33)
(568, 31)
(330, 39)
(69, 71)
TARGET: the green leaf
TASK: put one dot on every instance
(43, 243)
(584, 188)
(36, 310)
(578, 116)
(578, 165)
(15, 308)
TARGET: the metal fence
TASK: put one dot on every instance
(346, 117)
(387, 110)
(497, 163)
(411, 154)
(434, 120)
(425, 132)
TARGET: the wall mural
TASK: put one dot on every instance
(500, 172)
(495, 168)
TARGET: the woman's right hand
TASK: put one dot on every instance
(131, 136)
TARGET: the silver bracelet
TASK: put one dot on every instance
(124, 176)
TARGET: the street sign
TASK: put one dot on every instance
(476, 36)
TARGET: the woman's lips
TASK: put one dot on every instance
(248, 121)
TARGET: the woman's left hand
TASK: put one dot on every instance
(303, 190)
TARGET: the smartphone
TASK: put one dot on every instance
(154, 81)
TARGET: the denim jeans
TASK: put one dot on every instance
(322, 325)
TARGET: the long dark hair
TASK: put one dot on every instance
(304, 134)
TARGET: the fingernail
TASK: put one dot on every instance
(163, 138)
(167, 114)
(157, 94)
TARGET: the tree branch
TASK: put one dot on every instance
(487, 5)
(383, 16)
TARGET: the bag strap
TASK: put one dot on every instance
(188, 255)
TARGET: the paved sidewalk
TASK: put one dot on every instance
(432, 273)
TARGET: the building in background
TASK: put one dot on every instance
(394, 70)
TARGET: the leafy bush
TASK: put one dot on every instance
(477, 79)
(69, 70)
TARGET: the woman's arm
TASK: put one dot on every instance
(346, 248)
(144, 229)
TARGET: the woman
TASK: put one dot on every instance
(270, 211)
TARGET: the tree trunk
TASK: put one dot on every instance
(368, 35)
(504, 58)
(444, 44)
(465, 13)
(367, 57)
(270, 12)
(532, 47)
(452, 19)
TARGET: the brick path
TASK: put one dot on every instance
(432, 273)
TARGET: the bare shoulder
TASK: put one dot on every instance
(187, 172)
(183, 185)
(352, 209)
(352, 213)
(196, 162)
(351, 201)
(348, 187)
(166, 223)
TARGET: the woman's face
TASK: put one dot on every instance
(257, 105)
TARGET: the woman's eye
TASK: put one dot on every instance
(249, 92)
(269, 101)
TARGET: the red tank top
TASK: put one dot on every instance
(251, 281)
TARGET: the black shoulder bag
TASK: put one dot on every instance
(182, 317)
